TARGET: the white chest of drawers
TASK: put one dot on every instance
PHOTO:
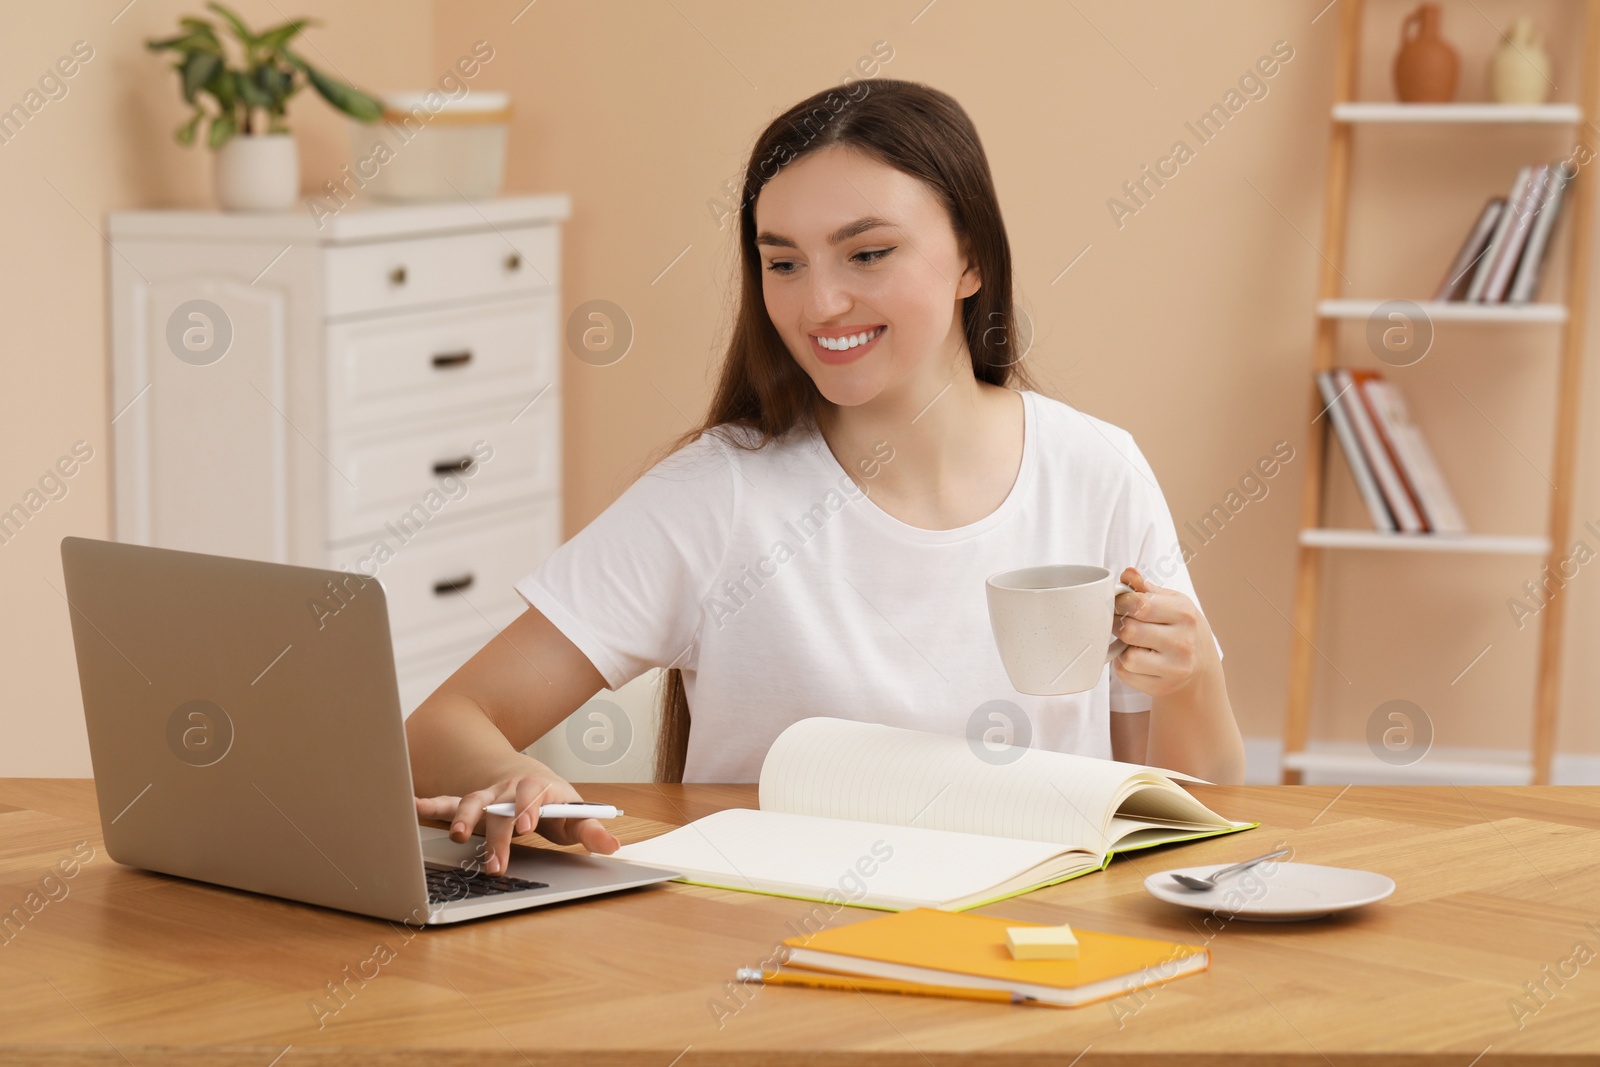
(380, 395)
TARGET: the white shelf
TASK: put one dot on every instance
(1449, 310)
(1541, 114)
(1354, 764)
(1507, 544)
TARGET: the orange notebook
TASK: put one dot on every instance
(928, 947)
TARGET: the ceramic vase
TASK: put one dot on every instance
(1520, 70)
(1425, 68)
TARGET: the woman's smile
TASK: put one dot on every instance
(845, 345)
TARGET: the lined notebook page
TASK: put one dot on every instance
(841, 769)
(858, 862)
(1169, 806)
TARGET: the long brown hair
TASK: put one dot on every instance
(915, 129)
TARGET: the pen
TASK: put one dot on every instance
(874, 985)
(560, 811)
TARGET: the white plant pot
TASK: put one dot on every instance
(258, 172)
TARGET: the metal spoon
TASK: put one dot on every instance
(1210, 881)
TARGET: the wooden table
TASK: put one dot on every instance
(1498, 887)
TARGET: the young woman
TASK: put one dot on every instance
(819, 546)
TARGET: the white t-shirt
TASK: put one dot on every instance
(782, 591)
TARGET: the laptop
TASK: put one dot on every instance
(245, 730)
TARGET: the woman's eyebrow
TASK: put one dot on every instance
(843, 233)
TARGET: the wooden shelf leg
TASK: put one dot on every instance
(1552, 623)
(1308, 570)
(1307, 597)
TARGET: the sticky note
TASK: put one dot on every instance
(1042, 942)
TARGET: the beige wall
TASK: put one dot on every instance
(1189, 325)
(107, 146)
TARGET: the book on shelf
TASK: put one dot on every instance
(1409, 450)
(1336, 400)
(1402, 505)
(1506, 256)
(883, 817)
(1502, 234)
(1502, 258)
(1456, 280)
(1526, 282)
(1394, 469)
(926, 950)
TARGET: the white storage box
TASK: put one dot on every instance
(430, 147)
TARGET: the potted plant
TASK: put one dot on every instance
(257, 168)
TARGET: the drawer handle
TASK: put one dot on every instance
(513, 262)
(452, 359)
(453, 585)
(397, 276)
(453, 466)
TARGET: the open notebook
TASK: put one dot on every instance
(882, 817)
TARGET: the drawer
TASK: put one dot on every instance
(386, 275)
(450, 586)
(394, 369)
(404, 481)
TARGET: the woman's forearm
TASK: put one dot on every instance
(1193, 730)
(455, 748)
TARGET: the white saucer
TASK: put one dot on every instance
(1291, 891)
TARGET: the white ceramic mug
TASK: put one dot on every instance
(1052, 624)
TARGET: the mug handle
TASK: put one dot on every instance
(1118, 645)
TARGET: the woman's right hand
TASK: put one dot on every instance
(527, 792)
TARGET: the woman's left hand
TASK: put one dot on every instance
(1169, 641)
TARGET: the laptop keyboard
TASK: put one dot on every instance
(446, 884)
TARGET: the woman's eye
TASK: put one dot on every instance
(864, 258)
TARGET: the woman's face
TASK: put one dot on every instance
(850, 246)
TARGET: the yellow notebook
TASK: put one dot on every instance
(925, 946)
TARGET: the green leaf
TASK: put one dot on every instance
(229, 83)
(240, 30)
(185, 133)
(225, 88)
(252, 93)
(197, 70)
(201, 28)
(276, 84)
(189, 42)
(363, 107)
(222, 128)
(279, 36)
(284, 103)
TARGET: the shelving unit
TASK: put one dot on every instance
(1450, 311)
(1356, 762)
(1364, 111)
(1507, 544)
(1333, 308)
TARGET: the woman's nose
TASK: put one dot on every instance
(826, 297)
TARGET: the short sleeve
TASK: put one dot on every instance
(1143, 525)
(627, 588)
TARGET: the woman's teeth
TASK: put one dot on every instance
(839, 344)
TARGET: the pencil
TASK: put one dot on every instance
(820, 980)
